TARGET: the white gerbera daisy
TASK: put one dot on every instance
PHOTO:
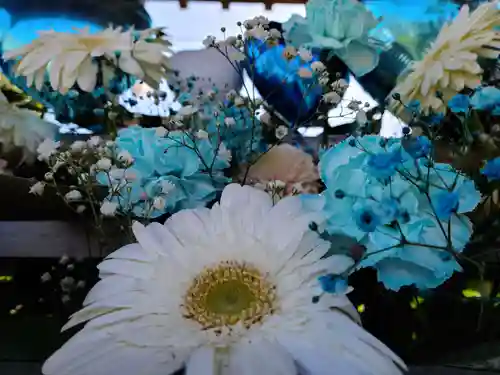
(226, 290)
(23, 128)
(71, 58)
(451, 63)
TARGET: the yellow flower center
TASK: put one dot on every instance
(229, 293)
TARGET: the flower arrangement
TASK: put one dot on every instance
(226, 237)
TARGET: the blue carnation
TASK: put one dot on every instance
(418, 147)
(436, 119)
(492, 169)
(400, 263)
(414, 106)
(190, 166)
(377, 193)
(459, 103)
(447, 203)
(384, 165)
(333, 284)
(240, 131)
(366, 218)
(486, 98)
(450, 191)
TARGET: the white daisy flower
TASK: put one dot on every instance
(452, 61)
(24, 129)
(70, 58)
(226, 290)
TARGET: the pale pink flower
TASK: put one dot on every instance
(288, 164)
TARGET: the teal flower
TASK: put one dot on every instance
(413, 106)
(353, 152)
(395, 202)
(492, 169)
(418, 147)
(486, 98)
(417, 261)
(334, 284)
(366, 217)
(190, 168)
(446, 203)
(341, 26)
(240, 131)
(448, 188)
(384, 165)
(459, 103)
(436, 119)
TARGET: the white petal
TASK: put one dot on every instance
(39, 78)
(130, 65)
(87, 75)
(133, 252)
(109, 286)
(143, 236)
(55, 71)
(98, 352)
(246, 201)
(287, 223)
(202, 361)
(260, 357)
(124, 267)
(340, 346)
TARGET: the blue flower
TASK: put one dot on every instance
(277, 79)
(190, 167)
(352, 152)
(418, 147)
(384, 165)
(240, 131)
(413, 106)
(333, 284)
(366, 218)
(436, 119)
(459, 103)
(395, 273)
(377, 192)
(401, 263)
(447, 188)
(329, 25)
(492, 169)
(447, 203)
(486, 98)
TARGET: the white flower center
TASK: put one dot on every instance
(230, 293)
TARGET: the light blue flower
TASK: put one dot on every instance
(366, 217)
(191, 166)
(486, 98)
(417, 261)
(436, 119)
(240, 131)
(384, 165)
(339, 206)
(395, 272)
(333, 284)
(492, 169)
(447, 183)
(418, 147)
(446, 203)
(413, 106)
(342, 26)
(353, 152)
(405, 209)
(459, 103)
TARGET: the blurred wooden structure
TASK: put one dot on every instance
(226, 3)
